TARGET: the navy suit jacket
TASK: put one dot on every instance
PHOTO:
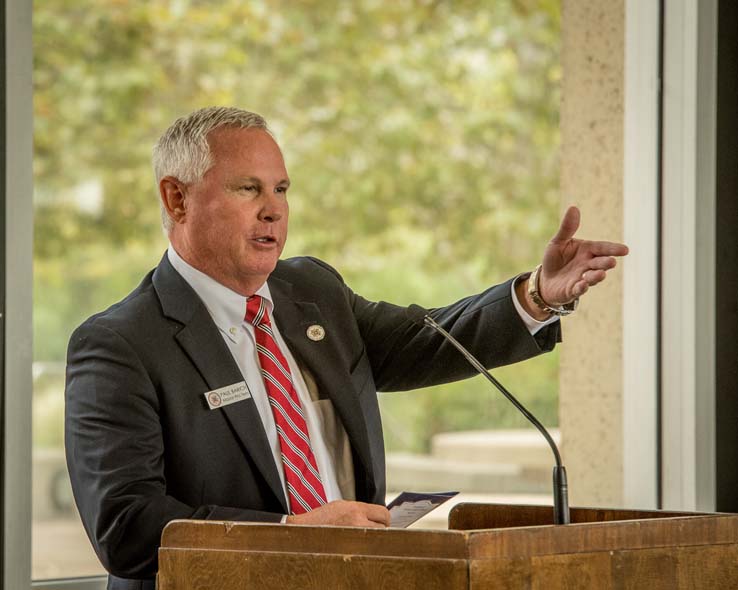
(143, 448)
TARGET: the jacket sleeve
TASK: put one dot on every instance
(404, 355)
(115, 455)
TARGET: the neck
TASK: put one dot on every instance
(245, 286)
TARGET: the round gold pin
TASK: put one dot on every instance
(315, 332)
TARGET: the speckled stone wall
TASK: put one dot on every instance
(590, 391)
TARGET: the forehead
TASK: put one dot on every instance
(246, 150)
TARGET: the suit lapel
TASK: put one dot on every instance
(202, 342)
(293, 318)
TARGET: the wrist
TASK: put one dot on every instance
(526, 302)
(534, 292)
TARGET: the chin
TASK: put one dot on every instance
(260, 269)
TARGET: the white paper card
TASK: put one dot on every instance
(230, 394)
(411, 506)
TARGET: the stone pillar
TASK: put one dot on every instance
(590, 378)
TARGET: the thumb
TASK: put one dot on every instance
(569, 225)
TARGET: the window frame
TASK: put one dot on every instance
(688, 244)
(16, 242)
(641, 196)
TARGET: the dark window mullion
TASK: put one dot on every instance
(659, 266)
(726, 254)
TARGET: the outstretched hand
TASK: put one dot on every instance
(571, 266)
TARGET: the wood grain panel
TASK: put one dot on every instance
(190, 569)
(605, 536)
(468, 516)
(551, 572)
(314, 539)
(703, 567)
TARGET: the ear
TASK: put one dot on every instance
(172, 194)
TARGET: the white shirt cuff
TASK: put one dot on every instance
(530, 322)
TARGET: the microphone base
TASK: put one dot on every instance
(561, 495)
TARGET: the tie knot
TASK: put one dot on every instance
(256, 311)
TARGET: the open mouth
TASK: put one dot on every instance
(265, 240)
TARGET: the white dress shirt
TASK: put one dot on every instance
(228, 308)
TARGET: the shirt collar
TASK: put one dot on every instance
(226, 307)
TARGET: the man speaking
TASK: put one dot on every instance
(233, 385)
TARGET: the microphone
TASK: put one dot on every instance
(421, 317)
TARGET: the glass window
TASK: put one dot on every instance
(422, 143)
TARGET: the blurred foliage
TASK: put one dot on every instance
(421, 138)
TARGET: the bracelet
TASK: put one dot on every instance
(535, 295)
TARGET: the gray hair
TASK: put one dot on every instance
(183, 151)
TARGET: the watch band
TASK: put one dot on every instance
(535, 295)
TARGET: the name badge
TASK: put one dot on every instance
(230, 394)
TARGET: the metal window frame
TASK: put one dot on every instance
(669, 315)
(87, 583)
(3, 166)
(726, 262)
(17, 281)
(688, 262)
(641, 202)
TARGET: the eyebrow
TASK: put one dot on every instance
(239, 181)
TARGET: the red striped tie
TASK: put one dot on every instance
(304, 486)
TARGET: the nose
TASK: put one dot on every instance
(273, 208)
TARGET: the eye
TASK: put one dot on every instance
(280, 189)
(249, 187)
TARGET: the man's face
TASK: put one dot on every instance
(235, 222)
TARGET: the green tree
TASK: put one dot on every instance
(421, 138)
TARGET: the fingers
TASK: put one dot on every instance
(345, 513)
(597, 271)
(569, 225)
(602, 263)
(608, 249)
(378, 515)
(592, 277)
(580, 288)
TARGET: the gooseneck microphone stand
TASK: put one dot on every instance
(560, 487)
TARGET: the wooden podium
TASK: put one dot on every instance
(488, 546)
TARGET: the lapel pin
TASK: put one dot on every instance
(316, 332)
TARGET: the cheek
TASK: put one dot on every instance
(227, 219)
(285, 216)
(218, 229)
